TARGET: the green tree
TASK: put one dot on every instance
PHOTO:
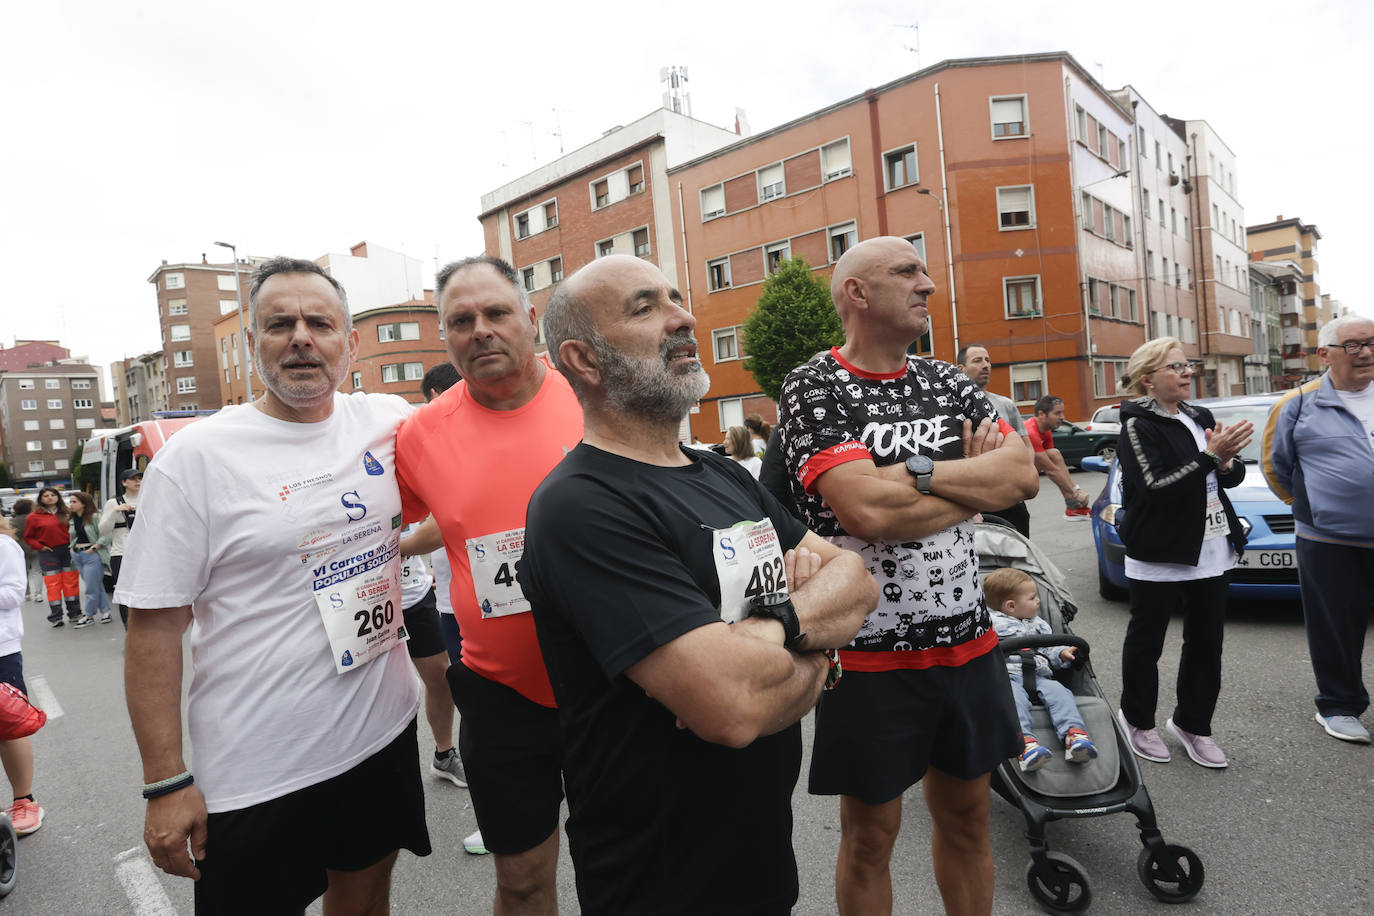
(78, 480)
(792, 321)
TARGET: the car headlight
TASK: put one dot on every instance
(1245, 526)
(1109, 513)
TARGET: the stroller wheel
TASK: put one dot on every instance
(9, 856)
(1172, 873)
(1058, 884)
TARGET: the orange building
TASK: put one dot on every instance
(397, 345)
(1007, 174)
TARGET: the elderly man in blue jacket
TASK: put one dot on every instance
(1319, 457)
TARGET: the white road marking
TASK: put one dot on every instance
(43, 697)
(140, 882)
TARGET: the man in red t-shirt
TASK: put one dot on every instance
(1049, 413)
(471, 458)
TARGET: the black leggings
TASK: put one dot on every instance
(111, 578)
(1203, 603)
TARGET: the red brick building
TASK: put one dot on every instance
(190, 300)
(397, 345)
(27, 354)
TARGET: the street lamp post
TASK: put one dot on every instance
(243, 337)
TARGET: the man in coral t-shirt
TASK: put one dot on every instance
(471, 458)
(1049, 413)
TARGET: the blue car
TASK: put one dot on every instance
(1268, 570)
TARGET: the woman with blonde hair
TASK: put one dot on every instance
(1182, 537)
(739, 447)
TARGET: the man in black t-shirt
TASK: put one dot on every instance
(681, 612)
(891, 455)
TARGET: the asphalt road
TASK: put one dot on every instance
(1285, 829)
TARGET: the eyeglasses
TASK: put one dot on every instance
(1353, 347)
(1177, 368)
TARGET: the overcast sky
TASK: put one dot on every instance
(135, 132)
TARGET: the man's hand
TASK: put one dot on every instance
(799, 565)
(983, 439)
(171, 821)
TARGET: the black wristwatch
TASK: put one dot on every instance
(778, 605)
(921, 467)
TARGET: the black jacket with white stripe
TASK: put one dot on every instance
(1164, 483)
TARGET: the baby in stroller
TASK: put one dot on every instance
(1014, 601)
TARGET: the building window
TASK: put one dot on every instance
(186, 385)
(842, 238)
(36, 464)
(1106, 372)
(34, 445)
(774, 255)
(227, 305)
(85, 422)
(918, 241)
(718, 274)
(527, 278)
(77, 403)
(413, 372)
(551, 214)
(62, 464)
(835, 161)
(1081, 123)
(770, 182)
(357, 380)
(1016, 207)
(181, 332)
(28, 405)
(1097, 295)
(555, 269)
(226, 282)
(176, 307)
(641, 240)
(26, 384)
(522, 226)
(899, 167)
(605, 248)
(601, 193)
(54, 403)
(181, 359)
(391, 372)
(174, 281)
(1008, 117)
(30, 425)
(1022, 296)
(1161, 211)
(712, 202)
(1027, 383)
(59, 445)
(52, 383)
(1103, 138)
(1159, 162)
(81, 384)
(401, 330)
(1126, 230)
(731, 412)
(1108, 222)
(635, 175)
(726, 343)
(57, 423)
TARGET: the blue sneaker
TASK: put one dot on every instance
(1078, 747)
(1034, 756)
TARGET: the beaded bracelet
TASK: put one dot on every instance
(1211, 454)
(169, 785)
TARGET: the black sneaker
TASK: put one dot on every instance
(57, 623)
(84, 620)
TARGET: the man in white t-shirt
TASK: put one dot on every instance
(1318, 456)
(272, 529)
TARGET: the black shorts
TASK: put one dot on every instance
(271, 857)
(453, 637)
(12, 670)
(422, 620)
(877, 732)
(513, 757)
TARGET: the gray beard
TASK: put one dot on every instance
(644, 388)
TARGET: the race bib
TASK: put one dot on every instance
(494, 560)
(359, 598)
(749, 562)
(1215, 524)
(412, 573)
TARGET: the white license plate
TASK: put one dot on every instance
(1269, 559)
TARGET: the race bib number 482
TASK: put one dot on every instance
(748, 563)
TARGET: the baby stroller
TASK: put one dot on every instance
(1107, 785)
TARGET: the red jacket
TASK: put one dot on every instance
(44, 531)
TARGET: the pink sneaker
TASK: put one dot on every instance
(26, 815)
(1145, 741)
(1201, 748)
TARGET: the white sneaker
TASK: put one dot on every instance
(472, 844)
(1346, 728)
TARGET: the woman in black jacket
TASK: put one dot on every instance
(1182, 537)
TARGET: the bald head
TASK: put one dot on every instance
(881, 285)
